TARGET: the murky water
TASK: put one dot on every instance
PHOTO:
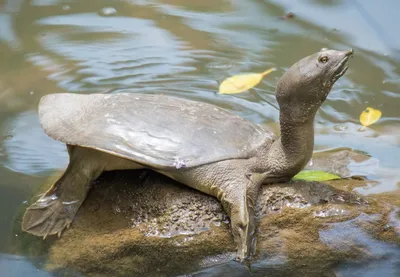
(185, 48)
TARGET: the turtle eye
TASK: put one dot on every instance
(323, 59)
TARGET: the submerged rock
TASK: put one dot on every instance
(140, 223)
(344, 162)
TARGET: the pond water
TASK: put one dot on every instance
(186, 48)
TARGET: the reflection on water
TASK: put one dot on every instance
(29, 150)
(185, 48)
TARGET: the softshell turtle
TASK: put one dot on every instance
(197, 144)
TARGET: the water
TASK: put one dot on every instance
(186, 48)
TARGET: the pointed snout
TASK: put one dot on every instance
(349, 52)
(343, 54)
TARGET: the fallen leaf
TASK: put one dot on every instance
(315, 175)
(243, 82)
(370, 116)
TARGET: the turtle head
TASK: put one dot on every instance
(306, 84)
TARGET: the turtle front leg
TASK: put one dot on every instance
(236, 187)
(55, 210)
(238, 197)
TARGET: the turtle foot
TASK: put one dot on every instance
(48, 216)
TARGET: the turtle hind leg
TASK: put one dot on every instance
(55, 210)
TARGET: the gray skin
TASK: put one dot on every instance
(197, 144)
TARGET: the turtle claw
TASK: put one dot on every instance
(48, 217)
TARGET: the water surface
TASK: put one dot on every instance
(185, 48)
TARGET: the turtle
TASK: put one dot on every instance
(197, 144)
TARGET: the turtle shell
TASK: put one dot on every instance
(159, 131)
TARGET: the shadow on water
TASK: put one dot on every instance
(185, 48)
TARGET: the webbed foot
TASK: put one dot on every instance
(49, 216)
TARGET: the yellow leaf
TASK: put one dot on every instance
(370, 116)
(243, 82)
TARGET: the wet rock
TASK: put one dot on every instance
(344, 162)
(163, 228)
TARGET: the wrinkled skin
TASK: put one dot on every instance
(234, 182)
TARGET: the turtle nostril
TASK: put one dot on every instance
(350, 52)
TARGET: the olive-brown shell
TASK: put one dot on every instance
(154, 130)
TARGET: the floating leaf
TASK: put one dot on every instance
(370, 116)
(243, 82)
(315, 175)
